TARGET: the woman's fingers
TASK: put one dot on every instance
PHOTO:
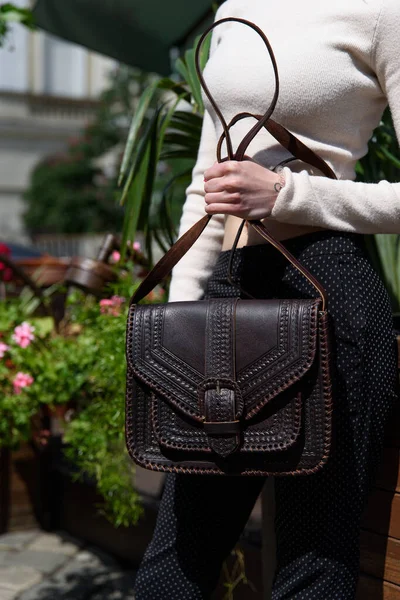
(221, 209)
(222, 198)
(221, 169)
(214, 185)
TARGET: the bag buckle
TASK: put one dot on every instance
(222, 406)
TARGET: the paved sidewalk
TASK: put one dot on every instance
(35, 565)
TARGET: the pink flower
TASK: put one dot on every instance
(115, 257)
(23, 334)
(22, 380)
(111, 306)
(136, 246)
(105, 304)
(3, 349)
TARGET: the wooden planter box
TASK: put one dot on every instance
(45, 270)
(380, 536)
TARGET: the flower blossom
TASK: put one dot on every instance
(136, 246)
(22, 380)
(23, 334)
(115, 257)
(111, 306)
(3, 349)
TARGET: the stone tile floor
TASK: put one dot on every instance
(35, 565)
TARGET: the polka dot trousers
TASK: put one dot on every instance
(317, 517)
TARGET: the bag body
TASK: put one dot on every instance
(227, 385)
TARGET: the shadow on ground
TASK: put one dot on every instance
(90, 575)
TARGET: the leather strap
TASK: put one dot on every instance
(282, 135)
(182, 245)
(169, 260)
(288, 140)
(221, 404)
(239, 154)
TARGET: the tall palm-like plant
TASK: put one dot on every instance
(160, 153)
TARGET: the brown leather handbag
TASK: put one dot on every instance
(230, 385)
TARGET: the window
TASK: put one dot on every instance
(65, 68)
(14, 59)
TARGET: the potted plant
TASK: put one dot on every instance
(65, 381)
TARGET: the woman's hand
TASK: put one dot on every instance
(243, 189)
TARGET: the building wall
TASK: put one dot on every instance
(48, 92)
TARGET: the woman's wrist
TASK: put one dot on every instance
(243, 189)
(280, 183)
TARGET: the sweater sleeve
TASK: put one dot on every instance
(190, 275)
(347, 205)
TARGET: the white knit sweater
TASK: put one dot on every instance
(339, 66)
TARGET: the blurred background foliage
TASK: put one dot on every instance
(160, 153)
(71, 192)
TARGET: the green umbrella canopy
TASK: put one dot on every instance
(136, 32)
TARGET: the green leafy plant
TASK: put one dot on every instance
(78, 367)
(68, 194)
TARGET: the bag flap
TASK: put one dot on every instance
(273, 344)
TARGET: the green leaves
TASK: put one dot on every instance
(137, 121)
(160, 151)
(9, 13)
(382, 160)
(138, 189)
(388, 252)
(186, 67)
(95, 437)
(13, 14)
(82, 366)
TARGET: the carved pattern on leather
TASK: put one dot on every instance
(281, 381)
(138, 419)
(146, 360)
(277, 432)
(220, 342)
